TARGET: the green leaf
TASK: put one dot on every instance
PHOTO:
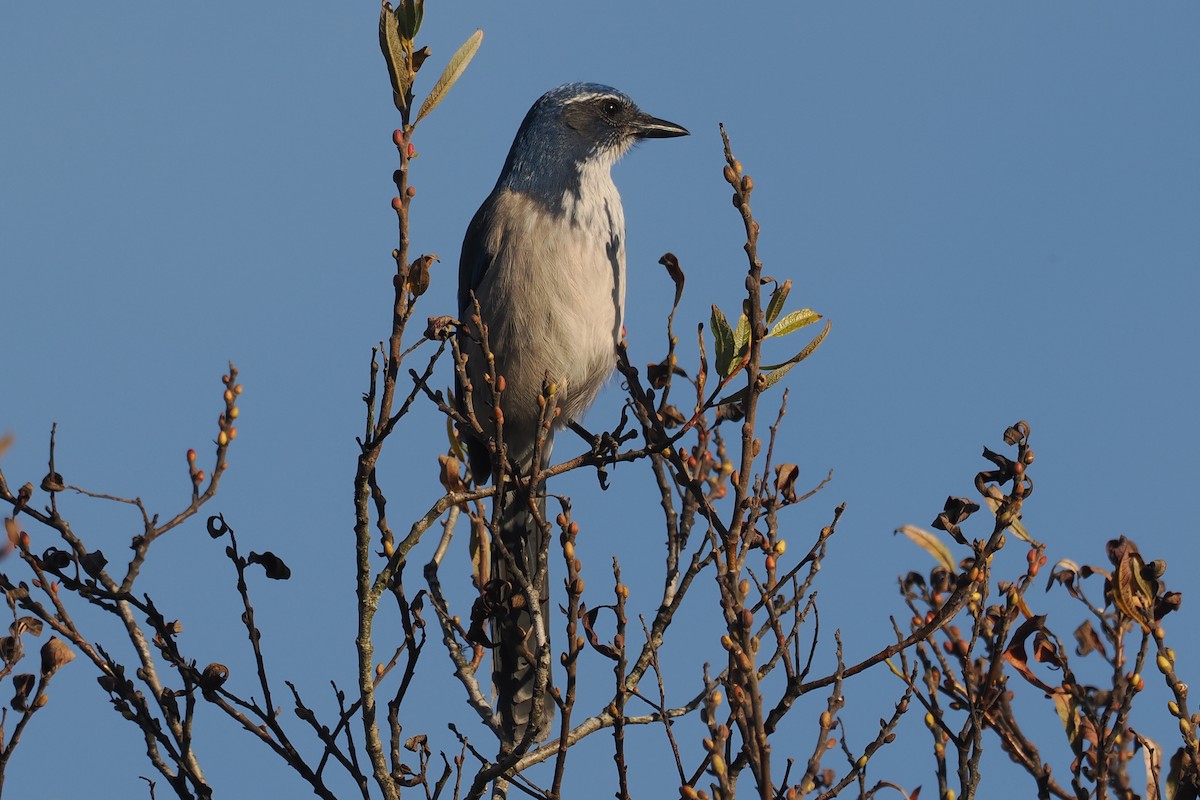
(454, 70)
(392, 45)
(409, 14)
(775, 305)
(774, 372)
(794, 322)
(741, 336)
(930, 543)
(723, 342)
(803, 354)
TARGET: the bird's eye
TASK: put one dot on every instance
(610, 108)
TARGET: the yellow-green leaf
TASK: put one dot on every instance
(803, 354)
(1016, 527)
(723, 342)
(930, 543)
(794, 322)
(775, 305)
(741, 335)
(454, 70)
(1068, 711)
(773, 373)
(456, 447)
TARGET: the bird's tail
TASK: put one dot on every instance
(514, 662)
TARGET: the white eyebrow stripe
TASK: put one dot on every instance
(583, 98)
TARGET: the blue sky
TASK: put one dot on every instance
(997, 206)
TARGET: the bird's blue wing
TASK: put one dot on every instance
(473, 264)
(474, 261)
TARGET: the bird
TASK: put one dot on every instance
(543, 268)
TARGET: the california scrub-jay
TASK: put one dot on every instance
(544, 257)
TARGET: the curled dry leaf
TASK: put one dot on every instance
(588, 617)
(22, 687)
(1015, 653)
(671, 417)
(418, 274)
(1045, 651)
(53, 482)
(1134, 585)
(214, 676)
(450, 474)
(955, 511)
(23, 496)
(1171, 601)
(671, 262)
(1088, 640)
(272, 564)
(785, 481)
(55, 560)
(1065, 572)
(659, 374)
(217, 526)
(93, 563)
(55, 654)
(419, 56)
(26, 625)
(439, 327)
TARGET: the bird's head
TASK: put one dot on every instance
(576, 124)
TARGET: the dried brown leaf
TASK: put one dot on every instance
(785, 481)
(1015, 653)
(1088, 640)
(676, 272)
(55, 654)
(272, 565)
(589, 627)
(450, 474)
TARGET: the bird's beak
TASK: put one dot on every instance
(648, 127)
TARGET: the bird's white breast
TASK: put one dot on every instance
(574, 260)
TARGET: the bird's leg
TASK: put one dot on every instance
(605, 446)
